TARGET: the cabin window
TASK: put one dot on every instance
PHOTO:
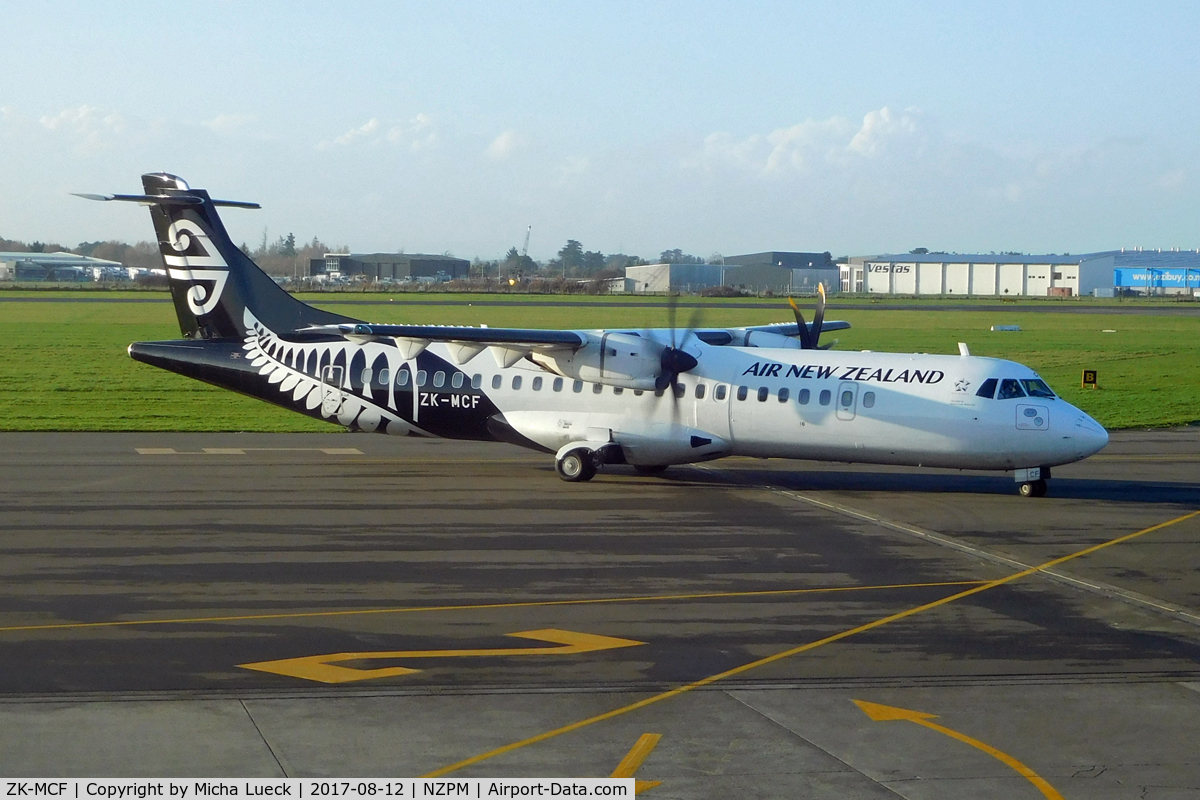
(741, 392)
(868, 399)
(597, 388)
(577, 387)
(825, 397)
(384, 376)
(476, 381)
(439, 379)
(802, 398)
(537, 383)
(847, 398)
(402, 377)
(720, 392)
(987, 388)
(496, 381)
(1037, 388)
(366, 377)
(1009, 389)
(618, 390)
(516, 382)
(762, 393)
(422, 375)
(557, 385)
(457, 380)
(699, 391)
(783, 394)
(679, 389)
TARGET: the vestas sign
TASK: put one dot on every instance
(898, 269)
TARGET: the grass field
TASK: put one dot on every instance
(64, 365)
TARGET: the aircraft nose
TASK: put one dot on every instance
(1089, 435)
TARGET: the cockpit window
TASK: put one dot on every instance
(987, 389)
(1009, 389)
(1037, 388)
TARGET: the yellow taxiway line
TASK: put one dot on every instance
(649, 598)
(882, 713)
(837, 637)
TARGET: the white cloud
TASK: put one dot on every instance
(503, 145)
(576, 165)
(417, 134)
(880, 127)
(366, 129)
(226, 123)
(1173, 179)
(92, 128)
(808, 145)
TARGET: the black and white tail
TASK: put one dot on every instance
(213, 283)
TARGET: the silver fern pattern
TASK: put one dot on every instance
(284, 365)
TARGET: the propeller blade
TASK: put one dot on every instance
(819, 314)
(805, 340)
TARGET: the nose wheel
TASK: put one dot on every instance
(1033, 488)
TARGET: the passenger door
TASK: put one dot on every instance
(332, 396)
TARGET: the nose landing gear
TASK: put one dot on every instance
(1033, 488)
(1032, 480)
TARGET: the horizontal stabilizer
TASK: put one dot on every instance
(165, 200)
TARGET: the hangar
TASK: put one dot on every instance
(387, 267)
(1010, 274)
(58, 267)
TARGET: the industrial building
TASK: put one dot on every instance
(389, 267)
(1019, 275)
(672, 277)
(773, 271)
(781, 271)
(59, 267)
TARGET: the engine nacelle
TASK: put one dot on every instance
(766, 339)
(614, 359)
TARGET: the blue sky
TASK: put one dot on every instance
(634, 127)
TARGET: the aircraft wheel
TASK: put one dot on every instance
(576, 465)
(1033, 489)
(651, 469)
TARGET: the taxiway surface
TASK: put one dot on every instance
(737, 608)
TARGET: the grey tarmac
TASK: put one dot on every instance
(140, 570)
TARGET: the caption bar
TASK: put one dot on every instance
(375, 788)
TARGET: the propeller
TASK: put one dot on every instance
(810, 340)
(675, 359)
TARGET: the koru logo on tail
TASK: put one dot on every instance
(193, 248)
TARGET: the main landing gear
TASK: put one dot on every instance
(576, 465)
(1032, 480)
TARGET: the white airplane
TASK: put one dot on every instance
(647, 398)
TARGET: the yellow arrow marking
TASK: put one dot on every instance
(324, 668)
(881, 713)
(634, 758)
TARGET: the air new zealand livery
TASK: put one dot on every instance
(648, 398)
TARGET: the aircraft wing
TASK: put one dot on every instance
(792, 329)
(508, 345)
(517, 337)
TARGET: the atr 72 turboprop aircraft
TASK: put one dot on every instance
(648, 398)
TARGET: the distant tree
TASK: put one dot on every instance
(37, 247)
(592, 262)
(288, 246)
(677, 256)
(919, 251)
(571, 255)
(716, 258)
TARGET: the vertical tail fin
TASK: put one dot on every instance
(213, 283)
